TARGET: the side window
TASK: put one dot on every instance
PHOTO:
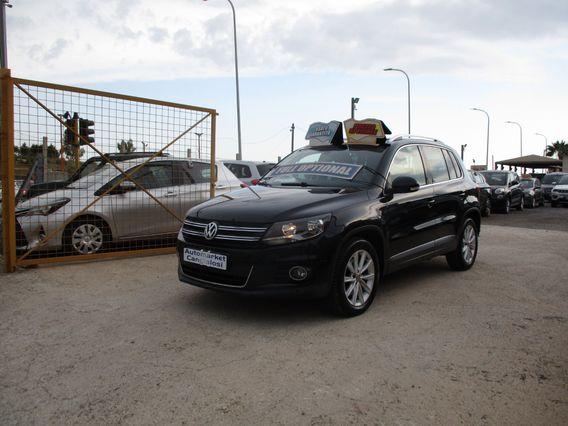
(537, 183)
(450, 164)
(153, 176)
(180, 175)
(435, 163)
(200, 172)
(239, 170)
(458, 168)
(407, 162)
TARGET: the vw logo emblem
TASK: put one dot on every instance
(210, 231)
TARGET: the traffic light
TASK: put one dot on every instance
(85, 130)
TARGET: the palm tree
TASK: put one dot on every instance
(560, 148)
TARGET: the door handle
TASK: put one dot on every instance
(431, 202)
(221, 186)
(170, 194)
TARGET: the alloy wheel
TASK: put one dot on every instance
(359, 278)
(469, 244)
(87, 238)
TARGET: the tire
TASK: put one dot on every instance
(351, 294)
(86, 235)
(465, 254)
(507, 207)
(487, 210)
(553, 204)
(521, 205)
(532, 203)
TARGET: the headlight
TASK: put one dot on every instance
(499, 191)
(297, 230)
(531, 192)
(43, 210)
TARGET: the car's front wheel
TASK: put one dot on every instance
(87, 235)
(507, 207)
(465, 254)
(356, 278)
(521, 205)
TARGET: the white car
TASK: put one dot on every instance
(126, 212)
(248, 172)
(559, 193)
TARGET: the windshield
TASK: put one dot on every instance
(552, 179)
(497, 179)
(100, 176)
(563, 180)
(526, 184)
(328, 166)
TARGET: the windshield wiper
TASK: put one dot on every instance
(302, 184)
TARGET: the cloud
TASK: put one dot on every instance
(158, 34)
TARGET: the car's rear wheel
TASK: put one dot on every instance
(465, 254)
(87, 235)
(356, 278)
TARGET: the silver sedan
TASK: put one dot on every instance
(72, 219)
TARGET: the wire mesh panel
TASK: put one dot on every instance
(100, 174)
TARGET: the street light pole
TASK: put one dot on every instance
(545, 142)
(487, 152)
(521, 130)
(354, 101)
(239, 153)
(408, 91)
(292, 130)
(3, 40)
(462, 150)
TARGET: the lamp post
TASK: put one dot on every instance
(521, 130)
(408, 91)
(354, 101)
(545, 142)
(487, 152)
(239, 153)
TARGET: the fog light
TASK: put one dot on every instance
(298, 273)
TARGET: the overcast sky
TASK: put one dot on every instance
(301, 61)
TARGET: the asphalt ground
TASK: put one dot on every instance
(124, 342)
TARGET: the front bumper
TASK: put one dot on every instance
(263, 270)
(32, 230)
(498, 200)
(560, 198)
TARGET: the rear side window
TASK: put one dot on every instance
(239, 170)
(181, 175)
(407, 162)
(458, 169)
(264, 168)
(201, 172)
(435, 164)
(450, 165)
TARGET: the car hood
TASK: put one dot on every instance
(275, 204)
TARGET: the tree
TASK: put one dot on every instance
(125, 147)
(560, 148)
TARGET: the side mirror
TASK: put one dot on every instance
(404, 184)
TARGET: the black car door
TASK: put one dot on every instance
(449, 194)
(515, 188)
(407, 216)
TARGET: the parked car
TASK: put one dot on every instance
(483, 192)
(249, 172)
(332, 220)
(532, 192)
(506, 192)
(549, 181)
(124, 213)
(559, 194)
(89, 166)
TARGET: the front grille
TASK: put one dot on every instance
(217, 278)
(196, 228)
(561, 191)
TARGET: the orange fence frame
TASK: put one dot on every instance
(7, 163)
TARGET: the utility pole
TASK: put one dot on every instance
(44, 152)
(143, 146)
(3, 41)
(354, 101)
(462, 150)
(198, 144)
(292, 131)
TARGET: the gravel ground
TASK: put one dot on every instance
(125, 342)
(539, 218)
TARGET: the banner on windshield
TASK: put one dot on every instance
(339, 170)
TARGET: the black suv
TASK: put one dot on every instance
(331, 221)
(506, 191)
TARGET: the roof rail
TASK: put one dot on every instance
(408, 136)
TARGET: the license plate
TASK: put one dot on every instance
(205, 258)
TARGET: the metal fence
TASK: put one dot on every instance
(88, 174)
